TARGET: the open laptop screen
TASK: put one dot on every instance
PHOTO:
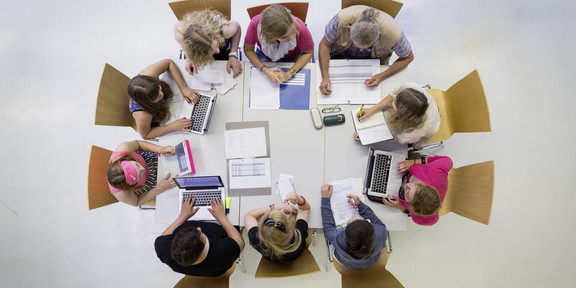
(198, 182)
(181, 154)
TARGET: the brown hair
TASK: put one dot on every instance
(201, 27)
(115, 174)
(411, 109)
(272, 238)
(359, 238)
(275, 22)
(426, 200)
(144, 89)
(187, 246)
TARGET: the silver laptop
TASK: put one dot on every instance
(180, 163)
(204, 189)
(200, 113)
(382, 177)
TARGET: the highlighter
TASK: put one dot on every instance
(227, 205)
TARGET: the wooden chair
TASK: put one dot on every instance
(375, 276)
(463, 108)
(470, 192)
(305, 264)
(222, 281)
(298, 9)
(112, 106)
(180, 8)
(389, 6)
(98, 192)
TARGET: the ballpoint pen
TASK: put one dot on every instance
(361, 111)
(355, 206)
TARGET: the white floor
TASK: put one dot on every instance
(52, 54)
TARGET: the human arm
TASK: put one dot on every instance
(364, 210)
(217, 210)
(324, 62)
(328, 222)
(169, 66)
(251, 217)
(144, 125)
(129, 197)
(300, 62)
(367, 112)
(396, 67)
(186, 212)
(256, 62)
(303, 205)
(232, 29)
(137, 145)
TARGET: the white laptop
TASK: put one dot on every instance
(180, 163)
(382, 177)
(204, 189)
(200, 113)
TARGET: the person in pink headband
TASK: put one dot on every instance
(127, 172)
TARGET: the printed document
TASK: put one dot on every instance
(347, 78)
(249, 173)
(342, 209)
(264, 94)
(245, 143)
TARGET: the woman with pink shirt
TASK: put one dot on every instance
(280, 36)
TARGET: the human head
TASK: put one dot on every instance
(187, 246)
(274, 228)
(365, 30)
(359, 237)
(126, 173)
(201, 32)
(145, 90)
(409, 110)
(424, 200)
(277, 23)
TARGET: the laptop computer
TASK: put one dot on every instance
(180, 163)
(204, 189)
(382, 178)
(200, 113)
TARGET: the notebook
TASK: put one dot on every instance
(382, 178)
(200, 113)
(180, 163)
(372, 129)
(204, 189)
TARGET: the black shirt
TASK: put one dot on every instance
(301, 226)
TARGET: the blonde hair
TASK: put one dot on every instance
(272, 238)
(426, 200)
(275, 22)
(200, 29)
(411, 106)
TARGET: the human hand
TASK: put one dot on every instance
(286, 208)
(353, 199)
(190, 67)
(188, 209)
(293, 198)
(166, 183)
(393, 202)
(283, 75)
(279, 75)
(181, 124)
(403, 166)
(367, 112)
(190, 95)
(325, 86)
(326, 191)
(167, 150)
(374, 81)
(272, 76)
(217, 209)
(235, 64)
(356, 136)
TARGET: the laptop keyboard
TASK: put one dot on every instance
(199, 113)
(171, 165)
(382, 165)
(203, 197)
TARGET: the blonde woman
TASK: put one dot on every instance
(279, 231)
(280, 36)
(206, 36)
(413, 116)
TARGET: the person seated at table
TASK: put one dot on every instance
(148, 96)
(132, 176)
(280, 36)
(413, 116)
(199, 248)
(358, 246)
(279, 231)
(423, 189)
(362, 32)
(206, 36)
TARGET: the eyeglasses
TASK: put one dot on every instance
(333, 109)
(278, 225)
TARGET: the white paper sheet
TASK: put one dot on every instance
(264, 94)
(285, 185)
(341, 208)
(249, 173)
(245, 143)
(347, 78)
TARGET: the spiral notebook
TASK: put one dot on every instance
(372, 129)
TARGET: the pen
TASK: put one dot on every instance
(227, 205)
(361, 111)
(326, 88)
(355, 206)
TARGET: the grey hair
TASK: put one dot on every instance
(365, 31)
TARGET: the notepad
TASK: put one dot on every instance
(372, 129)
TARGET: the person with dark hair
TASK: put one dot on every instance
(363, 32)
(199, 248)
(359, 245)
(148, 96)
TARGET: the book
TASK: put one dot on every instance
(372, 129)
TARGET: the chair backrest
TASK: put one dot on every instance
(470, 192)
(222, 281)
(98, 192)
(375, 276)
(180, 8)
(298, 9)
(389, 6)
(305, 264)
(463, 108)
(112, 106)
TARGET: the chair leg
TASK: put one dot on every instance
(239, 263)
(329, 257)
(389, 242)
(427, 146)
(182, 55)
(314, 237)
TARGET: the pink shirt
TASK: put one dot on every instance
(134, 155)
(435, 174)
(304, 41)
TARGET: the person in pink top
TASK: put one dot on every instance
(423, 188)
(128, 173)
(280, 36)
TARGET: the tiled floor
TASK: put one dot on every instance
(52, 54)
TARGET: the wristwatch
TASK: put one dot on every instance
(233, 54)
(293, 72)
